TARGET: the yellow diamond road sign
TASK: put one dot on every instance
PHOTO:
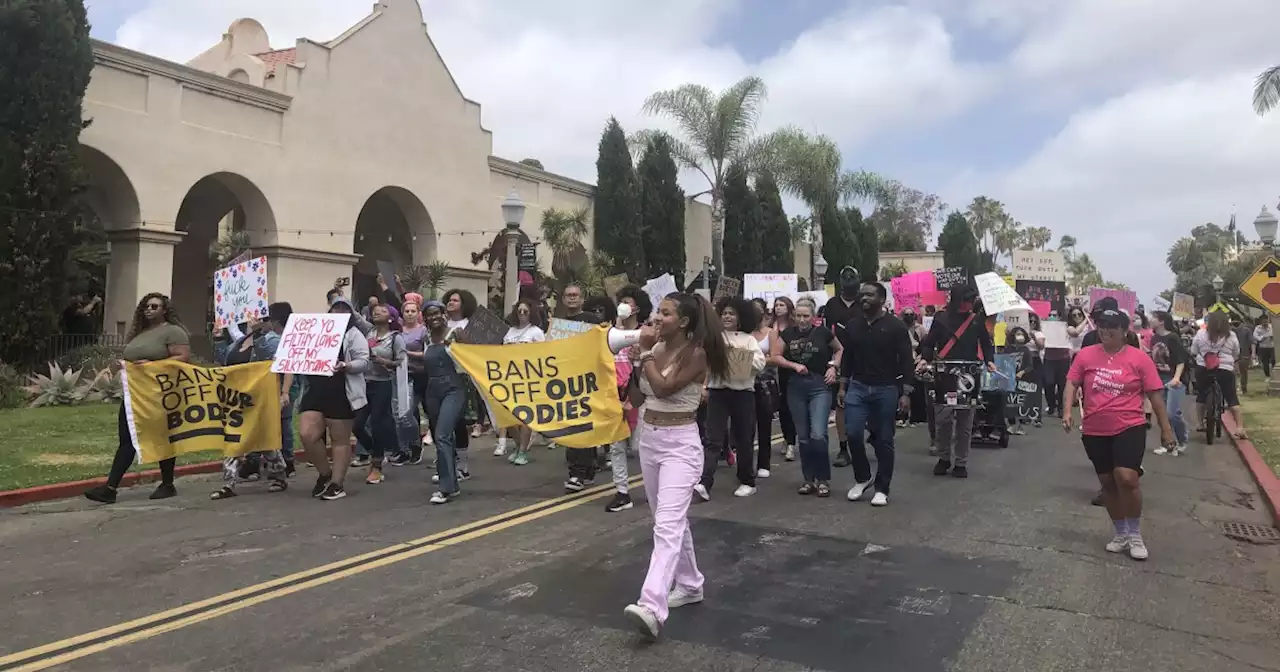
(1264, 285)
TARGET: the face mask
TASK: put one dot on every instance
(1019, 340)
(909, 318)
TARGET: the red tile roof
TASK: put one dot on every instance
(277, 57)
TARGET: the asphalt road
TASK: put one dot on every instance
(1003, 571)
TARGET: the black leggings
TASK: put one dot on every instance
(729, 412)
(1054, 378)
(126, 455)
(764, 423)
(785, 422)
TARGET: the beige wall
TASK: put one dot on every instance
(301, 147)
(914, 261)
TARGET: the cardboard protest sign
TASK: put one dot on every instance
(769, 286)
(1055, 335)
(997, 295)
(1023, 404)
(660, 287)
(173, 408)
(1038, 265)
(565, 390)
(727, 286)
(613, 283)
(1005, 377)
(240, 292)
(951, 277)
(907, 289)
(1184, 306)
(310, 343)
(1160, 305)
(485, 328)
(1127, 300)
(1041, 308)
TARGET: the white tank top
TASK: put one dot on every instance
(764, 344)
(685, 400)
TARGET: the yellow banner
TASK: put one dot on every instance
(566, 390)
(176, 408)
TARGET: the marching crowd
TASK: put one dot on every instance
(703, 384)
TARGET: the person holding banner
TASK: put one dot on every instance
(446, 396)
(523, 321)
(459, 306)
(329, 404)
(154, 334)
(677, 353)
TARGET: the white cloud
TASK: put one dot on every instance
(1133, 174)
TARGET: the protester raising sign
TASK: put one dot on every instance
(565, 390)
(1127, 300)
(951, 277)
(173, 407)
(310, 343)
(997, 295)
(240, 292)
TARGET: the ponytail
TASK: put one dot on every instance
(704, 330)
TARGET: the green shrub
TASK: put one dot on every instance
(105, 386)
(11, 383)
(59, 388)
(94, 357)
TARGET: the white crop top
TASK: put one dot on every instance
(685, 400)
(764, 345)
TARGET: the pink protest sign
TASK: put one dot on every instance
(936, 299)
(310, 343)
(907, 289)
(1126, 299)
(1042, 308)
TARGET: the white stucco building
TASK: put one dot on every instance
(331, 155)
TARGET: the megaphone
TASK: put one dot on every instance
(621, 339)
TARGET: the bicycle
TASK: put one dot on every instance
(1214, 407)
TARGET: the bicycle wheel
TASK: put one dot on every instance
(1210, 422)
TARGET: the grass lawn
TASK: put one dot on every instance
(1262, 419)
(64, 443)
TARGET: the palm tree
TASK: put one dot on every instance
(985, 216)
(717, 130)
(1067, 246)
(563, 232)
(1084, 274)
(1266, 90)
(1036, 237)
(1008, 235)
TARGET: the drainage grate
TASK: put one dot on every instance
(1252, 533)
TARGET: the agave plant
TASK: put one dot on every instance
(105, 386)
(59, 388)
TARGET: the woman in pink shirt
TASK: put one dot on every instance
(1116, 377)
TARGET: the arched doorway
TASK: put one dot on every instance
(222, 215)
(394, 227)
(111, 205)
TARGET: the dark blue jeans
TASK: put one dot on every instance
(810, 402)
(871, 407)
(445, 405)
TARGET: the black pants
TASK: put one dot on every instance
(1054, 378)
(125, 456)
(764, 424)
(730, 412)
(1267, 358)
(785, 421)
(375, 425)
(582, 462)
(919, 411)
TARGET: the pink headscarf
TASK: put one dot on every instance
(414, 298)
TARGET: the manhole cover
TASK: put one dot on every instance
(1249, 532)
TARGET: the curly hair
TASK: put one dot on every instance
(602, 306)
(467, 299)
(139, 323)
(644, 306)
(535, 315)
(748, 318)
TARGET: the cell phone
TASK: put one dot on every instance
(343, 282)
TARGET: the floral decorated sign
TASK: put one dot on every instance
(240, 292)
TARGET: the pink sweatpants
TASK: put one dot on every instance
(671, 463)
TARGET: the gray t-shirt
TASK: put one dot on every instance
(387, 346)
(153, 344)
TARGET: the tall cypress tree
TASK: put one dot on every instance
(839, 243)
(617, 206)
(45, 61)
(775, 232)
(661, 212)
(743, 221)
(868, 237)
(959, 246)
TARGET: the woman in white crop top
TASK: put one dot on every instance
(684, 345)
(731, 400)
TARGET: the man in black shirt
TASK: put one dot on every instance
(835, 315)
(574, 297)
(875, 381)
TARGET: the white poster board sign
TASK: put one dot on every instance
(658, 288)
(310, 343)
(769, 286)
(997, 295)
(1055, 335)
(240, 292)
(1160, 304)
(1038, 265)
(1016, 318)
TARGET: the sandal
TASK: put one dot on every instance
(1239, 433)
(277, 485)
(227, 492)
(824, 490)
(807, 489)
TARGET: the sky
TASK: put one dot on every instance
(1123, 124)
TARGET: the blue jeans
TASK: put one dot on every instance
(1173, 405)
(871, 407)
(445, 404)
(810, 401)
(286, 436)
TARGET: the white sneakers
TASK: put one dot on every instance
(1118, 543)
(1135, 545)
(643, 620)
(502, 447)
(701, 491)
(762, 473)
(858, 490)
(744, 491)
(880, 499)
(790, 453)
(678, 597)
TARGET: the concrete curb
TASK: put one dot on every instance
(45, 493)
(1268, 482)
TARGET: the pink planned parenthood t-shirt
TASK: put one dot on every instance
(1113, 386)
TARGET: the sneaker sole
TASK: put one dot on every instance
(641, 626)
(676, 604)
(624, 507)
(330, 498)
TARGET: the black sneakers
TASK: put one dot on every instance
(942, 467)
(164, 491)
(621, 502)
(321, 483)
(103, 494)
(333, 491)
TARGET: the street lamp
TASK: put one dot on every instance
(1217, 285)
(1266, 227)
(512, 214)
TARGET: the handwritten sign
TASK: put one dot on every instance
(240, 292)
(1055, 335)
(485, 328)
(951, 277)
(1184, 306)
(561, 328)
(1126, 299)
(997, 295)
(727, 286)
(1023, 404)
(769, 286)
(310, 343)
(907, 289)
(1038, 265)
(658, 288)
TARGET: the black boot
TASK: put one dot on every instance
(941, 468)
